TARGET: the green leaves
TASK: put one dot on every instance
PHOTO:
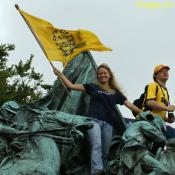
(19, 82)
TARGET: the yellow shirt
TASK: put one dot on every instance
(161, 97)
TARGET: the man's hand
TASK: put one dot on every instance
(171, 108)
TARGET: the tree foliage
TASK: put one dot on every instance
(19, 82)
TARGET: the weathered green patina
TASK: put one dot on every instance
(49, 136)
(46, 136)
(141, 149)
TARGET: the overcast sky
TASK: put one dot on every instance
(140, 37)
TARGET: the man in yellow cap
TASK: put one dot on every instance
(157, 97)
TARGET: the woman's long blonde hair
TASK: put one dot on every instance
(112, 81)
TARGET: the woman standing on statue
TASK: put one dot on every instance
(103, 97)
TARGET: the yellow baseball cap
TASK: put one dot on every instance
(160, 67)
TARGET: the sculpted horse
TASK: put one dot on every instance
(39, 141)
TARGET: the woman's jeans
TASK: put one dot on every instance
(100, 137)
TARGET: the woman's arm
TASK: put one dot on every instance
(67, 82)
(132, 107)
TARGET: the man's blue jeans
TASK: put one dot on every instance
(100, 137)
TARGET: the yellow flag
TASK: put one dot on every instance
(62, 45)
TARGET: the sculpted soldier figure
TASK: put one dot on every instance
(141, 140)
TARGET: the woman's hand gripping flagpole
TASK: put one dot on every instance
(58, 73)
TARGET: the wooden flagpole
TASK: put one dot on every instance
(40, 44)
